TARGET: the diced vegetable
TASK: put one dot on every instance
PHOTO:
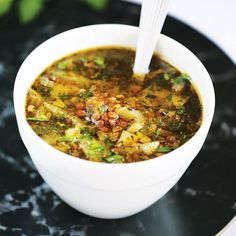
(135, 127)
(71, 79)
(35, 98)
(143, 138)
(58, 103)
(131, 114)
(127, 138)
(93, 149)
(73, 132)
(58, 112)
(100, 61)
(62, 65)
(114, 159)
(38, 118)
(69, 139)
(148, 148)
(166, 76)
(104, 138)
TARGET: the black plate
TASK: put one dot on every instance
(202, 202)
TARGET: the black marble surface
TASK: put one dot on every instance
(201, 203)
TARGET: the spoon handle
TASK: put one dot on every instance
(229, 229)
(152, 18)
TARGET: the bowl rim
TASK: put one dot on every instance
(66, 157)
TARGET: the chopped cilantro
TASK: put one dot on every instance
(150, 96)
(108, 142)
(64, 96)
(157, 133)
(164, 149)
(86, 132)
(180, 110)
(181, 78)
(163, 79)
(84, 95)
(169, 97)
(83, 59)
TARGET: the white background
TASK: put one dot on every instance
(216, 19)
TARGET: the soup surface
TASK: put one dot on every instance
(89, 105)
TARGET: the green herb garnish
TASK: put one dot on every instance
(62, 65)
(181, 78)
(108, 142)
(64, 96)
(84, 95)
(150, 96)
(164, 149)
(100, 61)
(86, 132)
(157, 133)
(83, 59)
(180, 110)
(174, 125)
(163, 80)
(169, 97)
(114, 159)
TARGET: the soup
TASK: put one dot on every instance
(91, 106)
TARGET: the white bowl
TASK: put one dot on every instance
(99, 189)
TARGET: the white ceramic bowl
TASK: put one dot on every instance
(99, 189)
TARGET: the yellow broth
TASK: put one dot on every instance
(91, 106)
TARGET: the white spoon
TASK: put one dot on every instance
(152, 18)
(229, 229)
